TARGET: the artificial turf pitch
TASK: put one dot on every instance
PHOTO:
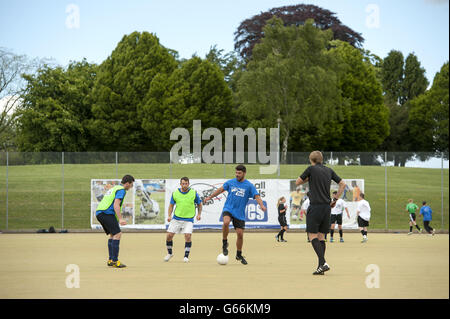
(34, 266)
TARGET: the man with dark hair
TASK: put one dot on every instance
(336, 216)
(318, 215)
(109, 215)
(185, 200)
(239, 191)
(426, 212)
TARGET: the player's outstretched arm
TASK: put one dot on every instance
(216, 193)
(260, 202)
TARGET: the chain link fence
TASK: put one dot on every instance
(38, 190)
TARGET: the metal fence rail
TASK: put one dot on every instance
(32, 184)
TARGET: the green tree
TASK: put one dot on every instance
(414, 82)
(12, 67)
(195, 91)
(55, 109)
(429, 115)
(365, 115)
(120, 90)
(392, 76)
(293, 77)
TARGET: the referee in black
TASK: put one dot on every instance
(319, 211)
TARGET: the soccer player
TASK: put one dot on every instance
(426, 212)
(294, 203)
(411, 209)
(109, 214)
(336, 216)
(363, 213)
(239, 191)
(281, 219)
(304, 210)
(185, 199)
(318, 216)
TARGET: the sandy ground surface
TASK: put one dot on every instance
(393, 265)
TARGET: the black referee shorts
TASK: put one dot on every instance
(109, 223)
(318, 220)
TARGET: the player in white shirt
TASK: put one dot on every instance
(336, 216)
(363, 213)
(304, 210)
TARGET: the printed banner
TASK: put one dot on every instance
(269, 189)
(145, 205)
(297, 196)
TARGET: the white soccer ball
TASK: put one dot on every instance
(222, 259)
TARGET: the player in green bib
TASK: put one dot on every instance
(411, 208)
(186, 201)
(109, 215)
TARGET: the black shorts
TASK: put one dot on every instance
(109, 223)
(336, 219)
(282, 220)
(362, 222)
(318, 220)
(412, 217)
(237, 223)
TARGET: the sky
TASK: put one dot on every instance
(75, 29)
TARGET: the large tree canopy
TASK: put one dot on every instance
(292, 76)
(120, 89)
(195, 91)
(250, 31)
(365, 115)
(55, 109)
(429, 116)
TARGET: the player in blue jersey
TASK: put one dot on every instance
(109, 214)
(239, 191)
(426, 212)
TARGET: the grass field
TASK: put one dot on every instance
(35, 191)
(34, 266)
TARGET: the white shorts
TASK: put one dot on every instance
(180, 226)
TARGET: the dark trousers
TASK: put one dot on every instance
(426, 225)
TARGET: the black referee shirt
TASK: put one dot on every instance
(319, 183)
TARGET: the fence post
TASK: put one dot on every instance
(117, 164)
(7, 164)
(442, 190)
(385, 190)
(62, 201)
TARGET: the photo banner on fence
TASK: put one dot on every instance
(255, 217)
(145, 205)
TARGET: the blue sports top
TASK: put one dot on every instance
(238, 196)
(426, 212)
